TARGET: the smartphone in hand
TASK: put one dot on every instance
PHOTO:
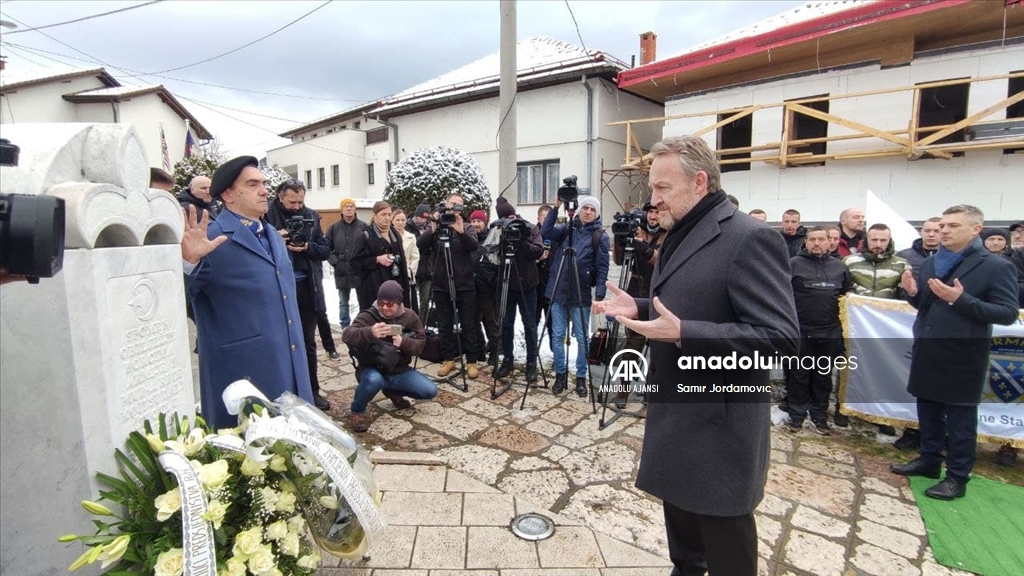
(396, 329)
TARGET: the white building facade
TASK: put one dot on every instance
(563, 106)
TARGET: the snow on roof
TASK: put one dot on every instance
(802, 13)
(115, 91)
(12, 76)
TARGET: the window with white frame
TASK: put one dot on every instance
(538, 181)
(309, 179)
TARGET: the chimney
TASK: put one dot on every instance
(648, 48)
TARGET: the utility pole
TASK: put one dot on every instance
(507, 146)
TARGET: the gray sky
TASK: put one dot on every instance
(346, 53)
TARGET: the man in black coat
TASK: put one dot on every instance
(819, 280)
(721, 286)
(792, 232)
(963, 291)
(340, 237)
(307, 249)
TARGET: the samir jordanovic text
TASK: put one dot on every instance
(823, 364)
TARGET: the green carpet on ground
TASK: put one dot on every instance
(982, 532)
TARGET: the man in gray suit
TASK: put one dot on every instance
(721, 286)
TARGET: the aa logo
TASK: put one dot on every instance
(626, 369)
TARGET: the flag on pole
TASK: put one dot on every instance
(188, 140)
(163, 149)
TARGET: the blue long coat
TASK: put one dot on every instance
(246, 318)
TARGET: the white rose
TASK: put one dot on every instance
(167, 504)
(285, 502)
(262, 561)
(329, 502)
(278, 463)
(277, 530)
(214, 475)
(297, 524)
(236, 567)
(252, 467)
(247, 542)
(215, 512)
(310, 561)
(170, 563)
(289, 545)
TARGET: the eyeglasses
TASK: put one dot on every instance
(386, 304)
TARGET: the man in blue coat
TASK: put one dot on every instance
(962, 291)
(240, 281)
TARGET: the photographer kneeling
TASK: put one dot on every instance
(383, 355)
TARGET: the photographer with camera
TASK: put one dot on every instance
(307, 248)
(485, 275)
(522, 241)
(570, 299)
(448, 229)
(383, 339)
(378, 256)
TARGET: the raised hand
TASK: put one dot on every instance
(664, 328)
(908, 283)
(194, 243)
(620, 304)
(945, 292)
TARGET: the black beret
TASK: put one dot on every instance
(228, 172)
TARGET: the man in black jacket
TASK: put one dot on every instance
(198, 195)
(463, 244)
(340, 236)
(307, 248)
(925, 246)
(963, 290)
(792, 232)
(522, 289)
(818, 282)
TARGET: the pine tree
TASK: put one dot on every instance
(430, 175)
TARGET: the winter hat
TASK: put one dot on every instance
(228, 172)
(422, 209)
(390, 291)
(504, 209)
(1016, 225)
(989, 232)
(591, 201)
(346, 201)
(478, 215)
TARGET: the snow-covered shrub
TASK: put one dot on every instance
(431, 174)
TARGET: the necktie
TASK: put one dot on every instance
(262, 235)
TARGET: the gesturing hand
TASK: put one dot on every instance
(908, 283)
(194, 243)
(664, 328)
(621, 304)
(944, 292)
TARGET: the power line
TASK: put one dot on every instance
(242, 111)
(26, 58)
(94, 59)
(41, 52)
(578, 35)
(84, 18)
(260, 39)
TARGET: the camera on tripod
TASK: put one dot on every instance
(31, 229)
(513, 230)
(296, 227)
(446, 214)
(626, 224)
(568, 193)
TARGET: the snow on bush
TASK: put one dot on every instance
(431, 174)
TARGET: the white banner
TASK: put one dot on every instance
(879, 335)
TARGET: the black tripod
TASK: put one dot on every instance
(575, 299)
(444, 238)
(625, 270)
(508, 262)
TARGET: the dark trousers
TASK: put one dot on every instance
(526, 302)
(307, 314)
(489, 319)
(469, 317)
(718, 545)
(807, 389)
(956, 422)
(323, 325)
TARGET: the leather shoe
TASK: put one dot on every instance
(531, 373)
(359, 422)
(948, 489)
(916, 467)
(321, 403)
(561, 383)
(334, 355)
(398, 400)
(581, 386)
(504, 370)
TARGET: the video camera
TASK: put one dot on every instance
(296, 227)
(31, 229)
(568, 193)
(446, 214)
(513, 231)
(626, 224)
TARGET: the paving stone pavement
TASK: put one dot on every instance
(826, 511)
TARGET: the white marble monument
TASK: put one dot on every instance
(88, 355)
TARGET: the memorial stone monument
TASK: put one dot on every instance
(91, 353)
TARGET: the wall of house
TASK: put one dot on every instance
(45, 102)
(917, 189)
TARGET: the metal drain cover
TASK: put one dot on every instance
(533, 526)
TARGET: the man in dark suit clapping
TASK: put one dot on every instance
(720, 286)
